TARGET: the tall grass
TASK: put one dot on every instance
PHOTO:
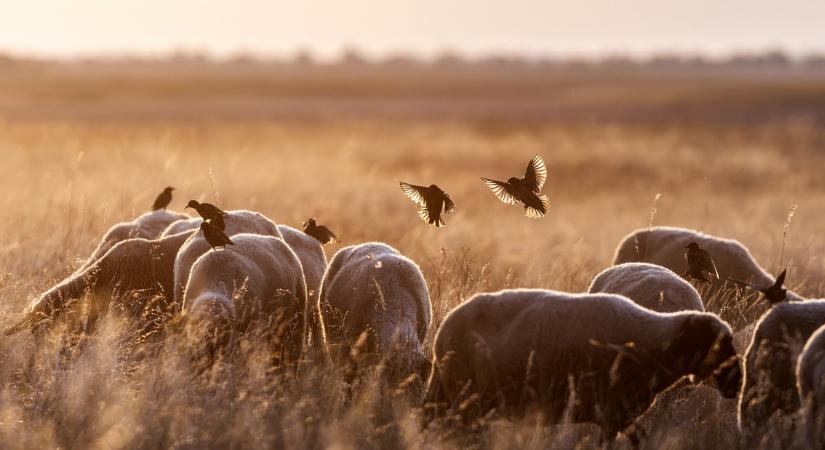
(64, 183)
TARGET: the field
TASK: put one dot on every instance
(85, 148)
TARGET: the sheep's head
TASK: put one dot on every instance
(704, 347)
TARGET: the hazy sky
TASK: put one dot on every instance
(71, 27)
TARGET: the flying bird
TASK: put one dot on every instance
(525, 190)
(430, 200)
(214, 236)
(773, 294)
(699, 262)
(319, 232)
(163, 199)
(209, 212)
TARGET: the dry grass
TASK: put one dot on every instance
(65, 182)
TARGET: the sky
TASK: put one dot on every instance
(69, 28)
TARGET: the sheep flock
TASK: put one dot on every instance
(603, 357)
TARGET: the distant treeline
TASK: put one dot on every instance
(764, 61)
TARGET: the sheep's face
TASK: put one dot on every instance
(703, 348)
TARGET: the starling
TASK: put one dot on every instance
(319, 232)
(209, 212)
(773, 294)
(699, 262)
(525, 190)
(214, 236)
(430, 201)
(163, 199)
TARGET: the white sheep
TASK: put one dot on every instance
(577, 357)
(374, 302)
(665, 246)
(149, 225)
(312, 256)
(254, 286)
(134, 270)
(810, 375)
(769, 390)
(236, 222)
(653, 287)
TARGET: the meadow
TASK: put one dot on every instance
(82, 149)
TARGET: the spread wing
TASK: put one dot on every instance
(415, 193)
(536, 174)
(706, 263)
(449, 205)
(502, 191)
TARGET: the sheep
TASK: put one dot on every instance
(665, 246)
(236, 222)
(256, 285)
(574, 357)
(650, 286)
(312, 256)
(149, 225)
(810, 375)
(137, 269)
(769, 389)
(374, 302)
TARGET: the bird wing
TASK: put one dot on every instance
(415, 193)
(536, 174)
(327, 235)
(502, 190)
(706, 263)
(449, 205)
(780, 280)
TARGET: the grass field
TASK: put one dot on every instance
(73, 165)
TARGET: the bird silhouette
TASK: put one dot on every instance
(214, 236)
(319, 232)
(163, 199)
(209, 213)
(430, 200)
(525, 190)
(774, 293)
(699, 262)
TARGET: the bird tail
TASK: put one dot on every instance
(537, 211)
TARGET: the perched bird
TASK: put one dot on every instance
(163, 199)
(525, 190)
(430, 200)
(214, 236)
(773, 294)
(699, 262)
(319, 232)
(209, 212)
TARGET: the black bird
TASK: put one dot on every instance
(430, 201)
(525, 190)
(319, 232)
(163, 199)
(699, 262)
(209, 212)
(773, 294)
(214, 236)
